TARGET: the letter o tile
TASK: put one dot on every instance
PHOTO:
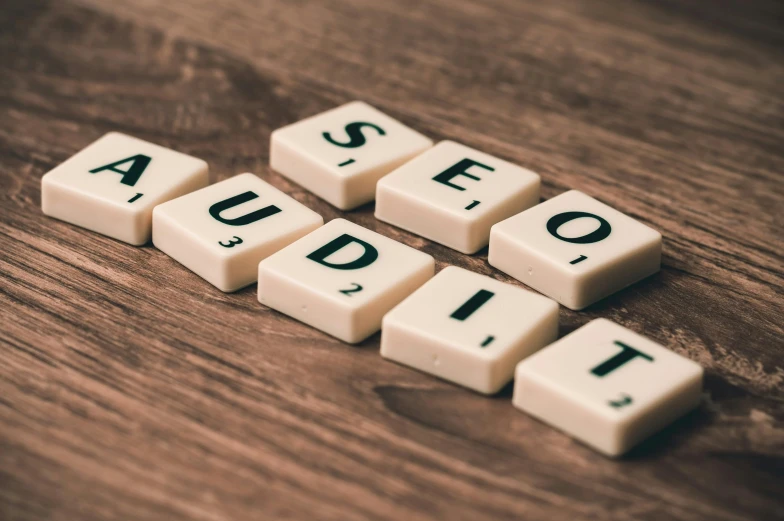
(575, 249)
(112, 185)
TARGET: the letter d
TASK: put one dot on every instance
(366, 259)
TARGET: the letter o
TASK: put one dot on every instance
(601, 233)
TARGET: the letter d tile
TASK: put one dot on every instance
(342, 279)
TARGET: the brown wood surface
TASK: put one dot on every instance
(130, 389)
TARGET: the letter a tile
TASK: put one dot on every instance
(222, 232)
(607, 386)
(342, 279)
(111, 186)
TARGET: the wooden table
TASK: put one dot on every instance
(130, 389)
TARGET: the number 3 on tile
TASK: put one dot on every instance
(232, 242)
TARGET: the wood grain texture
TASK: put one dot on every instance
(130, 389)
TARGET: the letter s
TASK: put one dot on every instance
(354, 131)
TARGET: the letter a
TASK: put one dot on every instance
(133, 173)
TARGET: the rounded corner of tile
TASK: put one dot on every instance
(116, 134)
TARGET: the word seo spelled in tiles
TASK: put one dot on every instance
(607, 386)
(222, 232)
(112, 186)
(342, 279)
(340, 154)
(603, 384)
(575, 249)
(468, 328)
(453, 194)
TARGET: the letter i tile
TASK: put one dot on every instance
(342, 279)
(468, 328)
(221, 232)
(607, 386)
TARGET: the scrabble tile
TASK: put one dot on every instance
(342, 279)
(453, 194)
(468, 328)
(222, 232)
(607, 386)
(111, 186)
(340, 154)
(575, 249)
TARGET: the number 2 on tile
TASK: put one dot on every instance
(356, 288)
(624, 401)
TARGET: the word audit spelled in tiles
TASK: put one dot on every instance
(453, 194)
(340, 154)
(112, 186)
(575, 249)
(222, 232)
(342, 279)
(607, 386)
(468, 328)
